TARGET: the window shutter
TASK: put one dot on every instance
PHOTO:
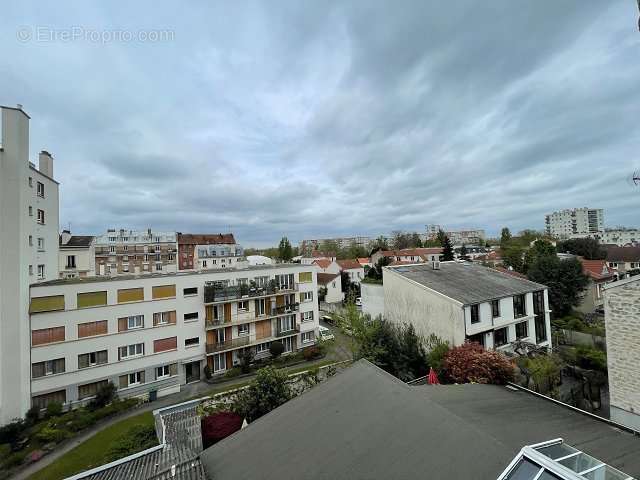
(102, 356)
(163, 291)
(173, 369)
(83, 360)
(37, 370)
(123, 324)
(142, 376)
(57, 334)
(130, 295)
(101, 327)
(122, 352)
(172, 316)
(156, 318)
(47, 304)
(92, 299)
(58, 365)
(124, 381)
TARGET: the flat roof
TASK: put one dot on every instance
(366, 424)
(143, 276)
(466, 282)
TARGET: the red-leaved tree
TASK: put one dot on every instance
(219, 425)
(470, 362)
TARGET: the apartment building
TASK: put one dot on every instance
(28, 251)
(624, 261)
(307, 246)
(77, 255)
(457, 237)
(122, 252)
(408, 255)
(463, 301)
(209, 251)
(150, 334)
(566, 223)
(622, 323)
(620, 236)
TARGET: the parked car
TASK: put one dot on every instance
(327, 319)
(325, 333)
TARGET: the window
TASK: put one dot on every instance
(136, 321)
(90, 329)
(158, 267)
(31, 181)
(308, 337)
(125, 248)
(495, 308)
(519, 309)
(263, 347)
(130, 295)
(40, 189)
(286, 324)
(47, 335)
(30, 269)
(165, 344)
(288, 344)
(243, 329)
(164, 318)
(71, 261)
(40, 271)
(166, 371)
(41, 401)
(540, 321)
(189, 317)
(31, 240)
(500, 337)
(131, 351)
(307, 296)
(136, 378)
(163, 291)
(192, 342)
(219, 362)
(46, 304)
(522, 330)
(91, 359)
(475, 313)
(307, 316)
(190, 291)
(305, 277)
(204, 264)
(158, 258)
(30, 211)
(40, 216)
(112, 249)
(260, 306)
(92, 299)
(50, 367)
(112, 239)
(90, 389)
(243, 306)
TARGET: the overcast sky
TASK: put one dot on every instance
(319, 118)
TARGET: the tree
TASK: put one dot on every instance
(470, 362)
(447, 250)
(538, 249)
(464, 253)
(438, 350)
(379, 243)
(267, 391)
(441, 237)
(375, 272)
(564, 278)
(285, 252)
(246, 357)
(400, 240)
(415, 241)
(505, 237)
(104, 396)
(276, 348)
(588, 248)
(512, 256)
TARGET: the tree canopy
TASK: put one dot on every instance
(447, 250)
(267, 391)
(588, 248)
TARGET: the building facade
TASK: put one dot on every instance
(123, 252)
(307, 246)
(622, 323)
(566, 223)
(207, 251)
(29, 221)
(408, 255)
(77, 255)
(459, 302)
(624, 261)
(615, 236)
(150, 334)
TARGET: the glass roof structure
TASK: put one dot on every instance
(555, 460)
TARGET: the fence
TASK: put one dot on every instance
(573, 337)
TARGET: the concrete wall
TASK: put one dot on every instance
(372, 299)
(622, 323)
(428, 311)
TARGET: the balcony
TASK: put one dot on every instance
(228, 345)
(289, 331)
(214, 293)
(284, 309)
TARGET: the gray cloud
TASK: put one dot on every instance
(311, 119)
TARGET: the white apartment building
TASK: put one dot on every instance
(122, 252)
(576, 221)
(464, 301)
(457, 237)
(614, 236)
(77, 256)
(149, 334)
(28, 251)
(207, 257)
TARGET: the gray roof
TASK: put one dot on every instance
(467, 283)
(77, 241)
(366, 424)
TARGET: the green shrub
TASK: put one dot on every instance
(234, 372)
(51, 434)
(33, 415)
(105, 395)
(11, 432)
(80, 420)
(207, 372)
(591, 358)
(136, 439)
(276, 348)
(5, 451)
(435, 357)
(14, 459)
(54, 409)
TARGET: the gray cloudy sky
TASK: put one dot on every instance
(326, 118)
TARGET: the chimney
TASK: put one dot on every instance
(45, 161)
(65, 236)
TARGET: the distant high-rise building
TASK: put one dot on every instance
(457, 237)
(28, 252)
(575, 221)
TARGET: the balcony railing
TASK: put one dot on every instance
(229, 344)
(283, 309)
(289, 331)
(215, 293)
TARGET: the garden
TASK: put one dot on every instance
(27, 440)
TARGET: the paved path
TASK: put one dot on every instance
(339, 352)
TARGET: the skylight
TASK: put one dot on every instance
(557, 460)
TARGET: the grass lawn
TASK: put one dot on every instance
(91, 453)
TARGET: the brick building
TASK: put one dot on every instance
(207, 251)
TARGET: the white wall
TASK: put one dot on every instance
(372, 299)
